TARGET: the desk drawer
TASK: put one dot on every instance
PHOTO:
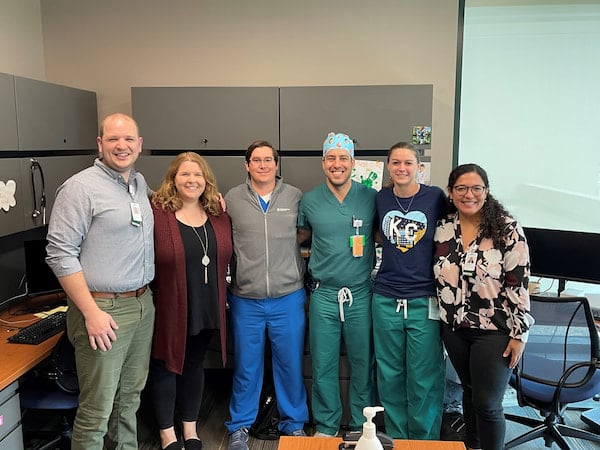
(10, 412)
(8, 392)
(14, 440)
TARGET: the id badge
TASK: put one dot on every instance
(357, 242)
(433, 312)
(136, 214)
(470, 263)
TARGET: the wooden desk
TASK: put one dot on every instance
(313, 443)
(15, 361)
(18, 359)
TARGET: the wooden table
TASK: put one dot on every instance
(18, 359)
(318, 443)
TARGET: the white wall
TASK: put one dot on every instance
(110, 45)
(21, 46)
(530, 110)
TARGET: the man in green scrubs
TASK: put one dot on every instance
(339, 216)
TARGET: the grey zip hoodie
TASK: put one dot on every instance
(266, 255)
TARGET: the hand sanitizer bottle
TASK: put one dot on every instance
(369, 440)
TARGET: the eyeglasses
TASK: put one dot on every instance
(258, 161)
(476, 190)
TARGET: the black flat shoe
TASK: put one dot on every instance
(173, 446)
(192, 444)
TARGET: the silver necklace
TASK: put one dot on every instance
(205, 259)
(405, 211)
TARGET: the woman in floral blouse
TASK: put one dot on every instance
(481, 268)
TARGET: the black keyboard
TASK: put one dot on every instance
(41, 330)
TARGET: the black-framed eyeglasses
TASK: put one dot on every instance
(258, 161)
(476, 190)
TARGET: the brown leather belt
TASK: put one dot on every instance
(137, 293)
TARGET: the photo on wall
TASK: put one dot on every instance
(369, 173)
(421, 135)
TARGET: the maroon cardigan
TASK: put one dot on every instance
(170, 286)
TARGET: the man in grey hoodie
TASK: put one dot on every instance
(267, 296)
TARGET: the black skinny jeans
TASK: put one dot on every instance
(484, 374)
(170, 390)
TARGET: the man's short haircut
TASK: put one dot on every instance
(261, 143)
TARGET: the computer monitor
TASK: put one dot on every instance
(38, 276)
(564, 255)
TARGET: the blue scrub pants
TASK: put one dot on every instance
(283, 321)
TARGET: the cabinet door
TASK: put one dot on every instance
(376, 117)
(212, 118)
(11, 221)
(306, 172)
(8, 115)
(56, 170)
(229, 171)
(54, 117)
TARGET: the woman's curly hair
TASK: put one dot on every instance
(166, 195)
(493, 214)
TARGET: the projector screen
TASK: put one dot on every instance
(530, 113)
(530, 108)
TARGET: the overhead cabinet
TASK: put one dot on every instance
(209, 118)
(40, 117)
(8, 114)
(376, 117)
(55, 117)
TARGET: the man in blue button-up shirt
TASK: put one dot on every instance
(100, 246)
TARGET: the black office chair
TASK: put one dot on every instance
(51, 388)
(559, 366)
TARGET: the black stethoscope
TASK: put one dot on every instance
(38, 210)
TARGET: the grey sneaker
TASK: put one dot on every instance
(238, 440)
(319, 434)
(299, 432)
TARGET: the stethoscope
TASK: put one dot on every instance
(38, 210)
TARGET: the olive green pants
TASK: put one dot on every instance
(111, 382)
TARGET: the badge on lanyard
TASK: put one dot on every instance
(136, 214)
(470, 263)
(357, 241)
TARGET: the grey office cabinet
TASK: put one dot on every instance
(211, 118)
(11, 217)
(228, 170)
(55, 117)
(376, 117)
(8, 116)
(11, 437)
(56, 170)
(306, 172)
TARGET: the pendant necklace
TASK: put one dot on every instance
(205, 259)
(405, 211)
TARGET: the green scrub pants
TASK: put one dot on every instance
(326, 332)
(410, 366)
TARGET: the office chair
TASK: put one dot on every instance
(51, 388)
(559, 366)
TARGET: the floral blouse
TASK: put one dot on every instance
(492, 294)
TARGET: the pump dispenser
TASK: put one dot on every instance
(369, 440)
